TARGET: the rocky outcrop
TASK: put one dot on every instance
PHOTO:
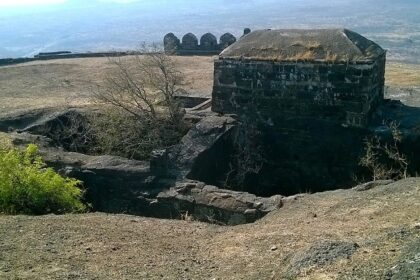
(111, 182)
(211, 204)
(159, 189)
(202, 149)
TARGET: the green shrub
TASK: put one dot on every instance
(28, 187)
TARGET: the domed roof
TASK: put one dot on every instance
(208, 37)
(227, 38)
(304, 45)
(189, 37)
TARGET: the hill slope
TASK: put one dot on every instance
(343, 234)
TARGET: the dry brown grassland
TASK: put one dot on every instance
(384, 221)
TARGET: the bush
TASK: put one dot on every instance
(385, 160)
(28, 187)
(118, 133)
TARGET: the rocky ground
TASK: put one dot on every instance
(343, 234)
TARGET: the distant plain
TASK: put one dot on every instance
(106, 25)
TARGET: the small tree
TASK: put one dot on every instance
(385, 160)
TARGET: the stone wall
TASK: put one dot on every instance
(312, 118)
(343, 93)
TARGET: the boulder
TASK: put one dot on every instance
(211, 204)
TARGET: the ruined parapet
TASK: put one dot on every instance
(190, 46)
(246, 31)
(171, 43)
(189, 42)
(208, 42)
(226, 40)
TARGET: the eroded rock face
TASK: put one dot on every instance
(203, 149)
(112, 183)
(159, 188)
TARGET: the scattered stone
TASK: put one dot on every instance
(273, 248)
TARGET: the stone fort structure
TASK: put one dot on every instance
(311, 94)
(189, 45)
(336, 75)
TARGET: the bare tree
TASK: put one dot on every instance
(142, 112)
(248, 157)
(385, 160)
(138, 87)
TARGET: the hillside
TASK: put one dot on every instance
(70, 82)
(343, 234)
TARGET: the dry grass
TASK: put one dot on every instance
(46, 84)
(403, 75)
(5, 141)
(382, 221)
(69, 82)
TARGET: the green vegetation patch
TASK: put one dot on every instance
(27, 186)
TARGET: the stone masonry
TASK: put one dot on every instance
(311, 95)
(189, 45)
(325, 74)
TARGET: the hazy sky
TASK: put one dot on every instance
(31, 26)
(23, 3)
(20, 3)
